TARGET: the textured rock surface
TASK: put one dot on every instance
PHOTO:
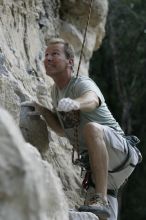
(74, 15)
(29, 188)
(25, 27)
(34, 129)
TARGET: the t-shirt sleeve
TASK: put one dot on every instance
(84, 85)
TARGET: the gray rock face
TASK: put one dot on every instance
(29, 188)
(25, 27)
(34, 129)
(8, 97)
(74, 16)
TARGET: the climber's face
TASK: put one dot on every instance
(56, 63)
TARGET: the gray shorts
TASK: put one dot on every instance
(117, 150)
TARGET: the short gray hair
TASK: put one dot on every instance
(68, 48)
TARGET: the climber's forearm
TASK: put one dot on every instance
(52, 121)
(88, 102)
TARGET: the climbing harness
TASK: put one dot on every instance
(87, 182)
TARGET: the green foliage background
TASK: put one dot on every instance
(119, 69)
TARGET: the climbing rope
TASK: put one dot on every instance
(83, 44)
(76, 113)
(76, 136)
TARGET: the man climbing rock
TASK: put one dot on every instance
(81, 114)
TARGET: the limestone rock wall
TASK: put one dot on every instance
(29, 187)
(25, 27)
(74, 16)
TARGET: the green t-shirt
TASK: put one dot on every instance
(76, 88)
